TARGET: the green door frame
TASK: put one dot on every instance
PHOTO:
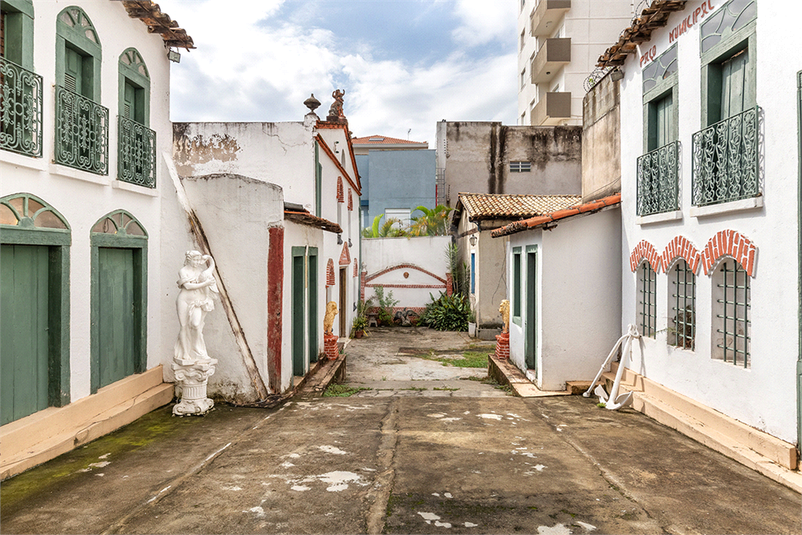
(298, 311)
(27, 231)
(312, 282)
(124, 232)
(530, 320)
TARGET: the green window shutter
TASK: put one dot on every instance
(73, 71)
(661, 118)
(133, 103)
(733, 84)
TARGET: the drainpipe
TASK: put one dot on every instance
(799, 265)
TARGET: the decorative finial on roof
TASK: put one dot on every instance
(312, 103)
(336, 113)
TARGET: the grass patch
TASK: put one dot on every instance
(416, 388)
(342, 391)
(445, 388)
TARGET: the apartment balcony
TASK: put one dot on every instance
(725, 160)
(82, 133)
(547, 15)
(552, 109)
(553, 55)
(136, 160)
(20, 110)
(658, 180)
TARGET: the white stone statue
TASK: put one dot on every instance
(191, 362)
(197, 285)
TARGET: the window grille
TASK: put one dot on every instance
(732, 318)
(683, 307)
(520, 167)
(648, 299)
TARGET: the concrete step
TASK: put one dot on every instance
(505, 372)
(760, 451)
(49, 433)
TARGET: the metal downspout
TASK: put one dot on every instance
(799, 265)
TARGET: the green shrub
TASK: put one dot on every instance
(447, 313)
(386, 304)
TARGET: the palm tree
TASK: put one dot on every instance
(433, 222)
(388, 229)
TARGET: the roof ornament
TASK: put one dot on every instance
(336, 113)
(312, 103)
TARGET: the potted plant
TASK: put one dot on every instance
(358, 327)
(472, 324)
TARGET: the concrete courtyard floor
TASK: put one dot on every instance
(399, 458)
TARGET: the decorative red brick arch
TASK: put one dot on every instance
(330, 273)
(350, 201)
(404, 266)
(680, 247)
(645, 250)
(733, 244)
(340, 195)
(345, 255)
(441, 284)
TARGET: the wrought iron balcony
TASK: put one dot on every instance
(658, 180)
(82, 133)
(20, 110)
(136, 160)
(725, 160)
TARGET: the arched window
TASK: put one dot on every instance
(82, 125)
(682, 305)
(21, 117)
(34, 309)
(647, 299)
(119, 298)
(136, 160)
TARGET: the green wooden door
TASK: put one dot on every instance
(733, 78)
(24, 330)
(298, 317)
(117, 321)
(312, 301)
(530, 319)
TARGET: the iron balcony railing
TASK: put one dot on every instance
(82, 132)
(725, 160)
(658, 180)
(136, 160)
(20, 110)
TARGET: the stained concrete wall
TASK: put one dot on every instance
(477, 157)
(601, 140)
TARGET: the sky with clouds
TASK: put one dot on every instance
(404, 64)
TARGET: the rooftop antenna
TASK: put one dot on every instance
(408, 131)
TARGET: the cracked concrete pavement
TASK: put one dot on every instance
(410, 461)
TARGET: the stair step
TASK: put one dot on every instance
(77, 426)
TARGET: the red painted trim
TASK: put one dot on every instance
(533, 222)
(408, 286)
(275, 299)
(344, 128)
(333, 158)
(404, 266)
(345, 255)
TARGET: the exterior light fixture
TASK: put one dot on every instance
(617, 75)
(174, 56)
(473, 240)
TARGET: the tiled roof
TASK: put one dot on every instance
(588, 207)
(383, 140)
(159, 22)
(305, 218)
(480, 206)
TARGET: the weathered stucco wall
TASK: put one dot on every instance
(601, 141)
(477, 157)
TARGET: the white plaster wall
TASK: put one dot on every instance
(763, 396)
(426, 252)
(83, 198)
(578, 297)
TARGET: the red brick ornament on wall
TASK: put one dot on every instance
(733, 244)
(645, 250)
(680, 247)
(330, 273)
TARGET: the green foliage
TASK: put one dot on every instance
(433, 222)
(460, 272)
(446, 313)
(389, 229)
(342, 391)
(386, 304)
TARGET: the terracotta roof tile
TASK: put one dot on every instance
(305, 218)
(159, 22)
(537, 221)
(480, 206)
(383, 140)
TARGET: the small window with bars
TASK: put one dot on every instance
(520, 167)
(682, 312)
(731, 314)
(647, 299)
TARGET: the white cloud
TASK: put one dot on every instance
(245, 71)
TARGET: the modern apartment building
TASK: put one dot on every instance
(559, 42)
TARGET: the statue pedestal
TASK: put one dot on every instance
(193, 377)
(330, 346)
(503, 346)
